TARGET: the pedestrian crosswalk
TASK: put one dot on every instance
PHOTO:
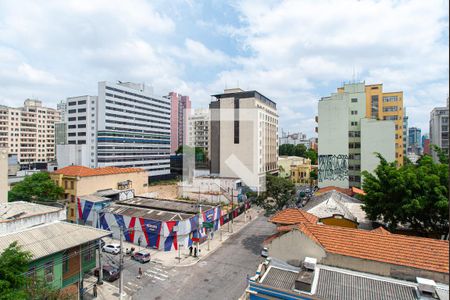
(157, 273)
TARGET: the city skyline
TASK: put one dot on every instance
(227, 45)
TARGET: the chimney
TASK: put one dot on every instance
(3, 175)
(426, 286)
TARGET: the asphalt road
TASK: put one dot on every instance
(222, 275)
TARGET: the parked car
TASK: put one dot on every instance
(265, 252)
(141, 256)
(110, 273)
(111, 248)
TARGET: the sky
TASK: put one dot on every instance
(294, 51)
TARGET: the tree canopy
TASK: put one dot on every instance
(200, 154)
(15, 284)
(280, 193)
(13, 264)
(298, 150)
(37, 187)
(411, 195)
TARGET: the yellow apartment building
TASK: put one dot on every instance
(387, 106)
(79, 181)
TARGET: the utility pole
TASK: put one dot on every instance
(81, 274)
(100, 263)
(121, 265)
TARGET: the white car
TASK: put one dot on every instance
(111, 248)
(265, 252)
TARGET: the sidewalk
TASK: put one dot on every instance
(105, 291)
(170, 258)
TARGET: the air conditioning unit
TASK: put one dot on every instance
(426, 285)
(310, 263)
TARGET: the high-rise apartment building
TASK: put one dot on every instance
(348, 139)
(439, 129)
(198, 129)
(29, 131)
(180, 107)
(62, 108)
(124, 126)
(387, 106)
(405, 132)
(244, 136)
(415, 140)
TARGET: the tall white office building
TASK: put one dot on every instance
(124, 126)
(439, 129)
(198, 129)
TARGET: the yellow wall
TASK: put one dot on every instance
(339, 222)
(297, 168)
(377, 89)
(88, 185)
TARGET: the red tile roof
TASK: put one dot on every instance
(291, 216)
(417, 252)
(357, 191)
(348, 192)
(85, 171)
(380, 230)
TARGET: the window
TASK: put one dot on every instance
(354, 145)
(390, 108)
(65, 184)
(89, 251)
(82, 102)
(72, 111)
(65, 262)
(71, 185)
(81, 125)
(72, 103)
(81, 118)
(390, 99)
(80, 110)
(354, 133)
(236, 121)
(391, 118)
(72, 134)
(374, 106)
(81, 133)
(48, 271)
(72, 119)
(354, 123)
(354, 100)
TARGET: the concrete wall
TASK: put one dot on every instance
(67, 155)
(3, 175)
(293, 247)
(376, 136)
(27, 222)
(333, 140)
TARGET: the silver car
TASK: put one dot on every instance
(111, 248)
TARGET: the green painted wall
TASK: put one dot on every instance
(57, 268)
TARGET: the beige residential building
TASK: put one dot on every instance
(29, 131)
(244, 136)
(79, 181)
(296, 168)
(198, 129)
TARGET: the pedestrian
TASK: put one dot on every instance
(139, 240)
(94, 290)
(139, 273)
(190, 251)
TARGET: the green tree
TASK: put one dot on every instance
(200, 154)
(441, 154)
(14, 282)
(286, 150)
(412, 195)
(312, 155)
(280, 192)
(13, 265)
(37, 187)
(300, 150)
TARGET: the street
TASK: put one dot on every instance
(221, 275)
